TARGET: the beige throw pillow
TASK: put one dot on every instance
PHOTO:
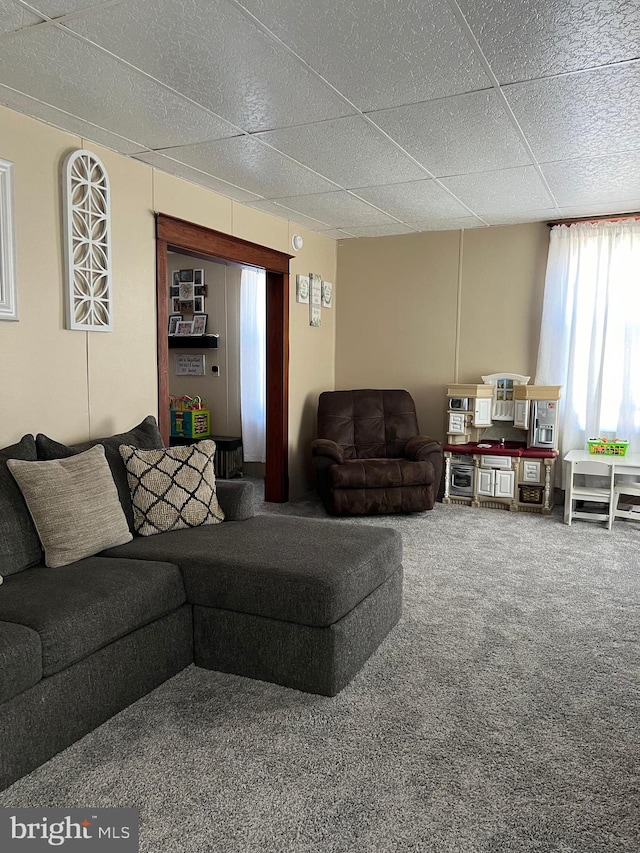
(74, 505)
(172, 489)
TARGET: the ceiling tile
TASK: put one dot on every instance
(595, 181)
(211, 52)
(286, 213)
(523, 218)
(14, 17)
(72, 124)
(501, 192)
(166, 164)
(89, 83)
(453, 136)
(248, 163)
(523, 39)
(347, 150)
(380, 230)
(338, 209)
(336, 234)
(457, 224)
(580, 114)
(417, 200)
(380, 53)
(56, 8)
(626, 206)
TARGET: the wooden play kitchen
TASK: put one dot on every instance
(501, 446)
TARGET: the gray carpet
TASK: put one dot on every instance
(500, 715)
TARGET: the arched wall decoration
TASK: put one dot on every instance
(87, 243)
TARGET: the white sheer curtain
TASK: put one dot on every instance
(590, 334)
(253, 320)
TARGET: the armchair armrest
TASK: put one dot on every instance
(328, 449)
(420, 447)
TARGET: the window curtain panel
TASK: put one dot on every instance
(590, 333)
(253, 320)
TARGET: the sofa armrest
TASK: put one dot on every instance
(236, 499)
(329, 449)
(420, 447)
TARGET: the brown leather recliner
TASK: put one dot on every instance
(369, 458)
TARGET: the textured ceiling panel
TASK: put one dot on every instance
(498, 193)
(438, 134)
(180, 170)
(285, 213)
(209, 51)
(347, 150)
(90, 84)
(457, 224)
(417, 200)
(380, 53)
(56, 8)
(14, 17)
(35, 109)
(524, 39)
(338, 209)
(380, 230)
(336, 234)
(628, 206)
(522, 218)
(596, 181)
(249, 164)
(580, 114)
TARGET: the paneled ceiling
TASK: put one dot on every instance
(351, 117)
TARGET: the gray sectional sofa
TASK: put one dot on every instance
(299, 602)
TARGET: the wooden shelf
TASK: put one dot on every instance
(193, 342)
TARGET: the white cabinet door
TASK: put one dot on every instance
(486, 481)
(521, 414)
(504, 483)
(456, 423)
(482, 411)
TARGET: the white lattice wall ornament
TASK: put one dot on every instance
(88, 242)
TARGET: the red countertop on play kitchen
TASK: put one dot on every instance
(510, 448)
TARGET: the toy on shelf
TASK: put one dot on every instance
(608, 446)
(188, 418)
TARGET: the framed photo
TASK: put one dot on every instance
(176, 278)
(186, 275)
(199, 324)
(198, 304)
(200, 289)
(175, 305)
(184, 306)
(173, 322)
(302, 289)
(174, 290)
(315, 299)
(184, 327)
(327, 294)
(198, 276)
(186, 290)
(189, 365)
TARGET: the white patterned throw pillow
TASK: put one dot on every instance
(172, 488)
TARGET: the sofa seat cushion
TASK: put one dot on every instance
(20, 659)
(79, 608)
(380, 474)
(296, 569)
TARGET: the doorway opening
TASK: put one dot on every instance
(198, 242)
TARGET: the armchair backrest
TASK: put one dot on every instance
(368, 424)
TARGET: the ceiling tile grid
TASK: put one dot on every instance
(353, 119)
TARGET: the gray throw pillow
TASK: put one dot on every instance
(74, 505)
(172, 489)
(19, 543)
(146, 435)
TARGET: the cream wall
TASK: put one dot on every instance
(72, 384)
(419, 311)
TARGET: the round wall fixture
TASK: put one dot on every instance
(297, 242)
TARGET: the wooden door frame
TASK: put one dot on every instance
(181, 236)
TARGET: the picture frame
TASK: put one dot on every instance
(315, 300)
(200, 324)
(198, 277)
(302, 289)
(186, 290)
(184, 306)
(174, 290)
(198, 305)
(8, 278)
(175, 305)
(189, 365)
(186, 275)
(174, 319)
(200, 289)
(327, 294)
(175, 281)
(184, 327)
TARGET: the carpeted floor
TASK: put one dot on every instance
(500, 715)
